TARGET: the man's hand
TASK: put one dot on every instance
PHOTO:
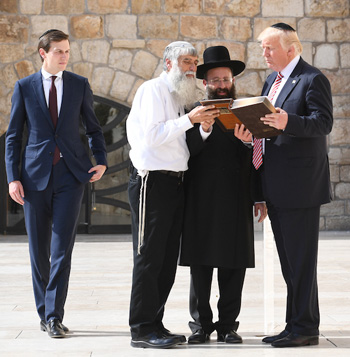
(202, 113)
(207, 124)
(260, 207)
(243, 134)
(16, 192)
(99, 171)
(277, 120)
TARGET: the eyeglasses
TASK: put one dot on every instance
(217, 81)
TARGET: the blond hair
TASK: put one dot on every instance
(287, 38)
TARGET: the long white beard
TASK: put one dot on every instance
(184, 87)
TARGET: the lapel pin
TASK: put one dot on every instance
(294, 81)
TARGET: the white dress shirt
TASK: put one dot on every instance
(58, 84)
(156, 128)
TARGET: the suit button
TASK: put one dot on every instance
(50, 153)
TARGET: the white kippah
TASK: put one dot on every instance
(182, 44)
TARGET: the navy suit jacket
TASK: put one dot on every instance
(296, 165)
(29, 108)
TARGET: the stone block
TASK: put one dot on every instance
(341, 106)
(334, 208)
(5, 106)
(9, 6)
(24, 68)
(14, 29)
(107, 6)
(67, 7)
(128, 44)
(11, 53)
(159, 69)
(341, 223)
(96, 51)
(283, 8)
(84, 69)
(334, 173)
(248, 8)
(345, 173)
(41, 23)
(340, 81)
(86, 26)
(144, 64)
(102, 79)
(312, 30)
(338, 30)
(327, 56)
(199, 27)
(121, 26)
(145, 6)
(162, 26)
(345, 55)
(236, 50)
(307, 53)
(255, 59)
(9, 77)
(339, 156)
(260, 24)
(75, 55)
(120, 59)
(121, 86)
(236, 29)
(135, 87)
(340, 134)
(183, 6)
(326, 8)
(249, 84)
(157, 47)
(32, 7)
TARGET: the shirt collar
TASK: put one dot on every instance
(47, 75)
(287, 71)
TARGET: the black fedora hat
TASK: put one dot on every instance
(218, 56)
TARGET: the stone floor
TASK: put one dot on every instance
(97, 304)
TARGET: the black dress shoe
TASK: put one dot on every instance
(230, 337)
(270, 339)
(198, 337)
(154, 340)
(167, 334)
(44, 328)
(296, 340)
(54, 329)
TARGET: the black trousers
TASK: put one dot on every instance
(296, 235)
(155, 267)
(230, 283)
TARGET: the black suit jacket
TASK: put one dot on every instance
(296, 165)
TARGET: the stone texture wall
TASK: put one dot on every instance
(118, 44)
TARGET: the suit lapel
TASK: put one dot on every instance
(37, 84)
(291, 83)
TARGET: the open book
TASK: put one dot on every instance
(247, 111)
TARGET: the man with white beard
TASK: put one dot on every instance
(156, 129)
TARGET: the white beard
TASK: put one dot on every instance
(184, 87)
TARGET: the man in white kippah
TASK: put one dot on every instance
(156, 129)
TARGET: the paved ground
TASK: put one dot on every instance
(97, 305)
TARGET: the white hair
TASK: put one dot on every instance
(176, 49)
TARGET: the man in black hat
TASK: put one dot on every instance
(218, 224)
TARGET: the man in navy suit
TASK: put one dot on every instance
(55, 167)
(295, 176)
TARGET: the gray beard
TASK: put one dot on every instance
(184, 87)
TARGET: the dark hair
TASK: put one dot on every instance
(51, 36)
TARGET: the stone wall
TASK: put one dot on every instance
(118, 44)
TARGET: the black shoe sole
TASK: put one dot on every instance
(145, 344)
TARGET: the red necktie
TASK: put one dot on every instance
(54, 114)
(257, 149)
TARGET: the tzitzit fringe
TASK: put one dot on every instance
(142, 212)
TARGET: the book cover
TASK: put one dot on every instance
(226, 120)
(250, 110)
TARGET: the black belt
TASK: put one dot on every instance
(171, 173)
